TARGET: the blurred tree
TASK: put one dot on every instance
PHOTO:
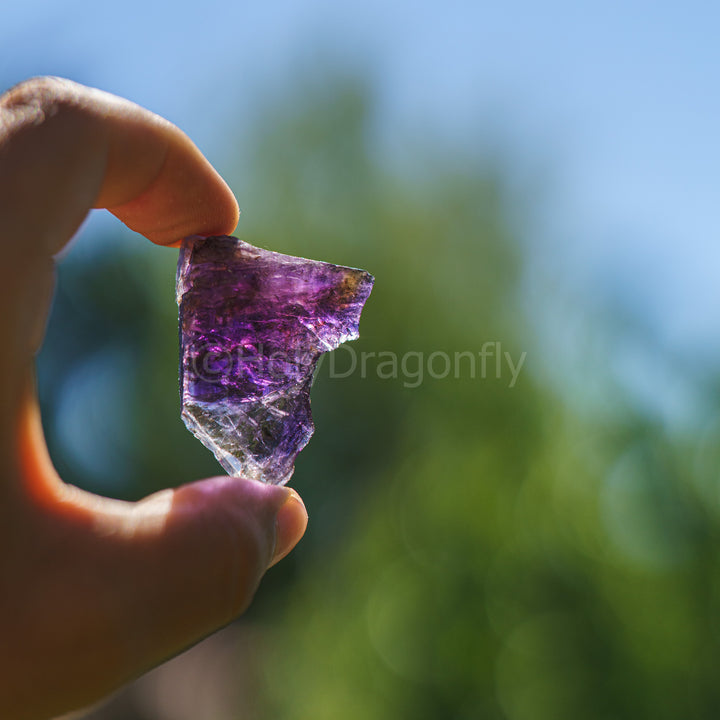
(498, 555)
(475, 550)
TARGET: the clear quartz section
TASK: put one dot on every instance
(253, 324)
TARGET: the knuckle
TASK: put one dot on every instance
(38, 98)
(35, 91)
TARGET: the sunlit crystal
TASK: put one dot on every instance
(253, 324)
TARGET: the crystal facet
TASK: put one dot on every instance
(253, 324)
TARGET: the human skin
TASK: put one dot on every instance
(93, 591)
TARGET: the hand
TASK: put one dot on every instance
(94, 591)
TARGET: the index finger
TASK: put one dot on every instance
(65, 148)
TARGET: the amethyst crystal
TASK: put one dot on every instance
(253, 324)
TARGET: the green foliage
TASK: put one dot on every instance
(475, 550)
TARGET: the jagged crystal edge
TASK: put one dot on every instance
(233, 296)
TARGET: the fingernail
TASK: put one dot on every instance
(290, 524)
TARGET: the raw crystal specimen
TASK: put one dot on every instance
(253, 324)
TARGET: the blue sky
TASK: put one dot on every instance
(613, 104)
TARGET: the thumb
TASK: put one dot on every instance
(204, 547)
(189, 560)
(100, 590)
(116, 588)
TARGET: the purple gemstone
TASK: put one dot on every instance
(253, 324)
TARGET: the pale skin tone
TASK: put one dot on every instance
(93, 591)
